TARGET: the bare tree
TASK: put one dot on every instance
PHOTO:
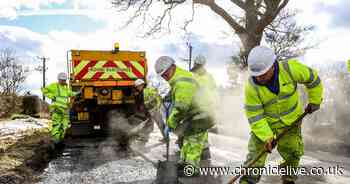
(250, 26)
(12, 73)
(286, 37)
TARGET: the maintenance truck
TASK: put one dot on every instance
(105, 80)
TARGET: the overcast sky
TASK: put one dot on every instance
(52, 27)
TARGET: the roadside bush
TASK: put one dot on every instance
(10, 104)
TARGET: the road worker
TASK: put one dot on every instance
(148, 95)
(59, 93)
(208, 85)
(202, 75)
(272, 103)
(148, 103)
(186, 118)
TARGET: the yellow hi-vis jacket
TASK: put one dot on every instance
(151, 98)
(263, 108)
(205, 78)
(209, 95)
(349, 65)
(183, 90)
(59, 94)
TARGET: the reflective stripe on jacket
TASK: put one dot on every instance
(208, 99)
(183, 90)
(59, 94)
(151, 98)
(264, 107)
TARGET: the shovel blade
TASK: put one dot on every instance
(167, 172)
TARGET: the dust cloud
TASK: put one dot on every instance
(130, 132)
(230, 115)
(326, 130)
(329, 128)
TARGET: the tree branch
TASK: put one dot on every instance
(222, 13)
(239, 3)
(188, 22)
(157, 26)
(273, 9)
(170, 2)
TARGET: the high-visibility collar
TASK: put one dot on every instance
(179, 73)
(273, 85)
(285, 67)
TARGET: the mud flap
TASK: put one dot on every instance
(167, 172)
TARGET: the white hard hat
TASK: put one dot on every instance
(260, 60)
(200, 60)
(163, 64)
(139, 82)
(62, 76)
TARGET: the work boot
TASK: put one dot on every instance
(57, 149)
(59, 145)
(206, 154)
(167, 172)
(180, 169)
(288, 179)
(245, 180)
(186, 170)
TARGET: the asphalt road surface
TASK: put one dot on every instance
(101, 160)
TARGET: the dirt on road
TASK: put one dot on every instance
(25, 157)
(25, 148)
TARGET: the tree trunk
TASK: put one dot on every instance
(249, 41)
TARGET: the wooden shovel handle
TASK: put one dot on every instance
(296, 123)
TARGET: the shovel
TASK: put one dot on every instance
(167, 170)
(135, 130)
(296, 123)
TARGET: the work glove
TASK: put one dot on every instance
(270, 145)
(310, 108)
(78, 93)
